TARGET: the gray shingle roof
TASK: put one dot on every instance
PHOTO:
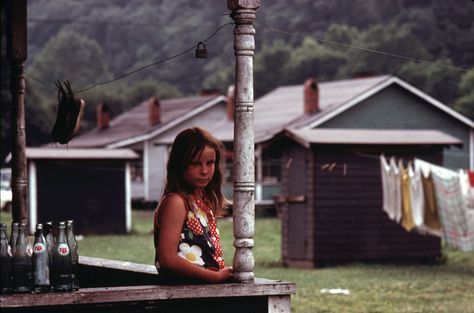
(78, 153)
(283, 106)
(135, 122)
(372, 136)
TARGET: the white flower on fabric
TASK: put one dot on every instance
(191, 253)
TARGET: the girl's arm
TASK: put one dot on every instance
(172, 216)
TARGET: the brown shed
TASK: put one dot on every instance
(332, 196)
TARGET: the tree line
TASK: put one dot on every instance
(428, 43)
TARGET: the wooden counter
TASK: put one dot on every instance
(137, 293)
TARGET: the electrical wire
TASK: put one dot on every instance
(136, 70)
(369, 50)
(265, 28)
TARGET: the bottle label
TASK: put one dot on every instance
(63, 249)
(39, 248)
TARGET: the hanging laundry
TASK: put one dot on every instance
(407, 215)
(389, 180)
(431, 217)
(396, 190)
(467, 189)
(457, 223)
(470, 174)
(416, 195)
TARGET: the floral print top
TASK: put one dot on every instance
(199, 239)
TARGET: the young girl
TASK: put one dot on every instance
(187, 244)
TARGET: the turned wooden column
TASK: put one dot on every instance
(243, 13)
(17, 54)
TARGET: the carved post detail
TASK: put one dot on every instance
(243, 13)
(17, 54)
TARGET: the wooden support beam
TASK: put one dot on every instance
(243, 13)
(17, 54)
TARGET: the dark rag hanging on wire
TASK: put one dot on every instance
(69, 114)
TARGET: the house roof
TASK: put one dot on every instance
(306, 137)
(132, 126)
(283, 107)
(78, 153)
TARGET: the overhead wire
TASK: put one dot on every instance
(136, 70)
(369, 50)
(265, 28)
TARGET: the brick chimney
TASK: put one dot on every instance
(230, 102)
(311, 96)
(154, 116)
(103, 115)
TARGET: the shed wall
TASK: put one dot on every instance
(92, 193)
(341, 218)
(349, 222)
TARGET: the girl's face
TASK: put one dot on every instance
(201, 169)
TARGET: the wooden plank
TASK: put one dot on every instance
(261, 287)
(279, 304)
(297, 210)
(119, 265)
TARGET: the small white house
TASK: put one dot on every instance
(149, 129)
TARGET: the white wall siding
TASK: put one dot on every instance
(157, 158)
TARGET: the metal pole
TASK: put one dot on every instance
(17, 54)
(243, 12)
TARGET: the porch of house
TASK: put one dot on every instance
(116, 286)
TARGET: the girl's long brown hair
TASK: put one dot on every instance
(187, 145)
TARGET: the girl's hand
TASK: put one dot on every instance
(224, 274)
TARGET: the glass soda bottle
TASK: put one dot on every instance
(14, 236)
(49, 237)
(72, 242)
(22, 265)
(40, 262)
(6, 282)
(62, 265)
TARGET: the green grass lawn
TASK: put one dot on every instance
(447, 288)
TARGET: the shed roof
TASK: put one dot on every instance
(132, 126)
(306, 137)
(80, 153)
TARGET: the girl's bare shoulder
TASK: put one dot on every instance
(173, 200)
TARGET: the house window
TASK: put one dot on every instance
(271, 165)
(136, 168)
(271, 170)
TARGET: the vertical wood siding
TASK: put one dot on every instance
(350, 224)
(92, 193)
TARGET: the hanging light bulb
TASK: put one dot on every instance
(201, 52)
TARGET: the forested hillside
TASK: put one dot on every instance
(429, 43)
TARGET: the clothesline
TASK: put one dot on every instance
(430, 199)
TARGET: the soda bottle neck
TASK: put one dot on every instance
(22, 234)
(3, 235)
(61, 234)
(39, 236)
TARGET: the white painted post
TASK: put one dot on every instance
(243, 13)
